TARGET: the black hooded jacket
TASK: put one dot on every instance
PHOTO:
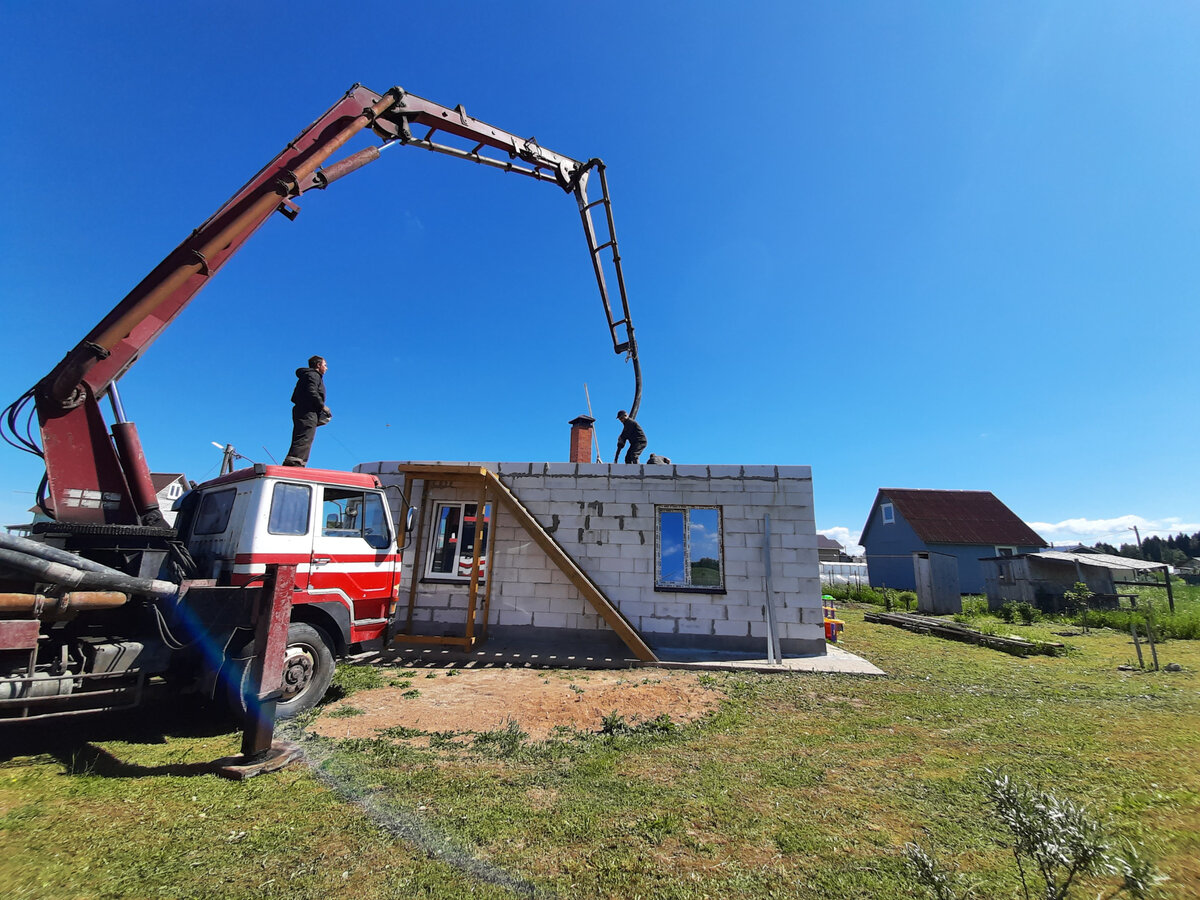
(309, 395)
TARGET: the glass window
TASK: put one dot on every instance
(289, 509)
(689, 548)
(452, 545)
(355, 514)
(889, 513)
(215, 509)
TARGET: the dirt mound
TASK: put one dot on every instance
(478, 700)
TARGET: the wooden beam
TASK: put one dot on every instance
(587, 588)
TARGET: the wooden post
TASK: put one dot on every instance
(489, 575)
(1170, 594)
(415, 574)
(1136, 645)
(473, 594)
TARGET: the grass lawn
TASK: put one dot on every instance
(798, 786)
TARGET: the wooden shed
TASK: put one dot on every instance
(1041, 579)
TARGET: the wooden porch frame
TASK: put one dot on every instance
(491, 487)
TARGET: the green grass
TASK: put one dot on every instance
(796, 787)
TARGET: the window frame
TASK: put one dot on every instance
(888, 513)
(1000, 548)
(686, 585)
(427, 573)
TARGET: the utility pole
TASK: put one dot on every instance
(1137, 534)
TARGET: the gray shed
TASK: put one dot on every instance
(1041, 579)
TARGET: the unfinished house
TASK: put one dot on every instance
(1041, 579)
(647, 560)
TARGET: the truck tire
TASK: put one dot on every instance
(307, 671)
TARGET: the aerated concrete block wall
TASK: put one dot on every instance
(604, 517)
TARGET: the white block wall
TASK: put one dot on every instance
(603, 515)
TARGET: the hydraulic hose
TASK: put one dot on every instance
(45, 551)
(70, 577)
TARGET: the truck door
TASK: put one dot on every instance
(354, 558)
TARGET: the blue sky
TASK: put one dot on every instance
(930, 245)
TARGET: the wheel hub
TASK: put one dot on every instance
(298, 666)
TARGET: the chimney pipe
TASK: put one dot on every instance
(581, 439)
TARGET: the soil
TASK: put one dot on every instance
(539, 700)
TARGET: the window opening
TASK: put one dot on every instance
(889, 513)
(689, 551)
(452, 547)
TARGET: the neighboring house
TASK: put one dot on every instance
(169, 487)
(1041, 579)
(668, 555)
(966, 525)
(829, 550)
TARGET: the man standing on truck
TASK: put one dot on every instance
(631, 432)
(308, 410)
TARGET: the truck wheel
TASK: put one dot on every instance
(307, 670)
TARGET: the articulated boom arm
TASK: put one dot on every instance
(95, 479)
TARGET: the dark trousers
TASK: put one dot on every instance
(634, 451)
(304, 429)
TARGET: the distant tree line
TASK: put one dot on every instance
(1173, 551)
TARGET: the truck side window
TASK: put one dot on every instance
(289, 509)
(214, 512)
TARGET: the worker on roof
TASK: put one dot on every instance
(631, 432)
(308, 410)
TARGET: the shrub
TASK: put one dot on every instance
(1052, 839)
(1027, 612)
(908, 599)
(1007, 611)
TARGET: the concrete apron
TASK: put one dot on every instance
(603, 655)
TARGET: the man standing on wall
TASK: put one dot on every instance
(308, 410)
(631, 432)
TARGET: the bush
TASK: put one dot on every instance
(1027, 612)
(1007, 611)
(908, 599)
(1052, 839)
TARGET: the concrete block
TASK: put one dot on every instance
(559, 469)
(635, 608)
(759, 472)
(724, 471)
(731, 627)
(695, 626)
(691, 472)
(514, 589)
(745, 613)
(706, 609)
(802, 632)
(511, 468)
(514, 617)
(802, 473)
(594, 469)
(671, 609)
(550, 620)
(652, 625)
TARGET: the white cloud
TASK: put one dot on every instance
(845, 537)
(1115, 531)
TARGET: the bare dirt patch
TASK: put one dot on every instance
(479, 700)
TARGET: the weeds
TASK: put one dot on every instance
(506, 741)
(346, 712)
(349, 680)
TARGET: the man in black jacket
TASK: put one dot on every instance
(631, 432)
(308, 410)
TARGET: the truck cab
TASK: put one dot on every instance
(335, 527)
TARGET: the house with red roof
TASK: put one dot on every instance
(967, 525)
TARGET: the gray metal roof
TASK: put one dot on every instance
(1103, 560)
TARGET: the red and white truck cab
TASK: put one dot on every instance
(335, 527)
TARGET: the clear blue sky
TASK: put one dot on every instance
(932, 245)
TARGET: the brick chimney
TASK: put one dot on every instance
(581, 439)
